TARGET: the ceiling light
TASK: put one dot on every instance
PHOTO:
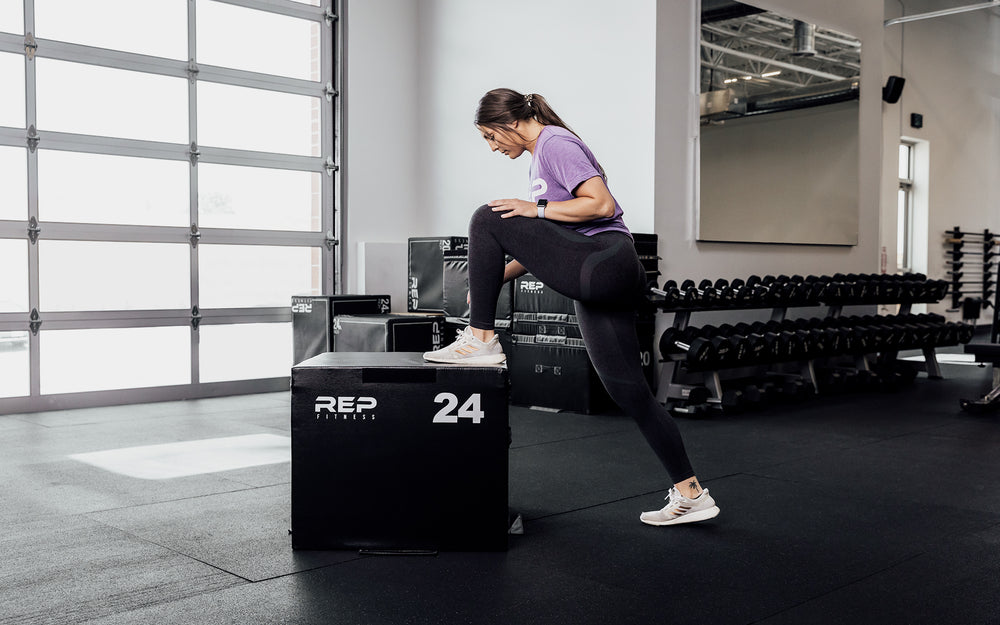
(769, 74)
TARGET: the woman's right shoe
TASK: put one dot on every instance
(468, 350)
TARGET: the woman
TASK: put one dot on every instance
(571, 236)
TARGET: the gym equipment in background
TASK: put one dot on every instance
(734, 366)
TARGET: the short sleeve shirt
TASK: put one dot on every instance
(560, 164)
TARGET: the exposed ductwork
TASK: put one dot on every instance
(804, 42)
(728, 104)
(755, 62)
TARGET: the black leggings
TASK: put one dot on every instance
(603, 274)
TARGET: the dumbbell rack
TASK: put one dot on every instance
(832, 293)
(979, 247)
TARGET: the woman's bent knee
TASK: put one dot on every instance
(482, 217)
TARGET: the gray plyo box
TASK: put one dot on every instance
(382, 437)
(387, 333)
(313, 316)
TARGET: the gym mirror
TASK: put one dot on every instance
(779, 128)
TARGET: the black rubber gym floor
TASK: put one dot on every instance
(866, 508)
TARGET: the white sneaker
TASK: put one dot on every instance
(468, 350)
(680, 509)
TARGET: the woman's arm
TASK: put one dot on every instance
(592, 201)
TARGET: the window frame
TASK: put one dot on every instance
(904, 209)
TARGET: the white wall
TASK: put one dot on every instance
(677, 150)
(952, 70)
(592, 60)
(382, 122)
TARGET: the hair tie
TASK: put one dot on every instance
(528, 98)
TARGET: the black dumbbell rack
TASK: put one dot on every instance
(971, 263)
(868, 343)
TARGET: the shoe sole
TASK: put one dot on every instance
(693, 517)
(475, 360)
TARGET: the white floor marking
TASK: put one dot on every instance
(951, 359)
(159, 462)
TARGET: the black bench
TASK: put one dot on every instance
(985, 353)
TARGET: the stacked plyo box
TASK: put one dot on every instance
(358, 323)
(438, 283)
(548, 361)
(314, 318)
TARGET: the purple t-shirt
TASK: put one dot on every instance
(560, 164)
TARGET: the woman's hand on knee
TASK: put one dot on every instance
(514, 208)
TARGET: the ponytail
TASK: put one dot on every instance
(500, 107)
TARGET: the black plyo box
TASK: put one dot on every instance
(387, 333)
(390, 452)
(531, 295)
(425, 270)
(456, 290)
(554, 375)
(312, 319)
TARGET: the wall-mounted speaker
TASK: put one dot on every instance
(893, 89)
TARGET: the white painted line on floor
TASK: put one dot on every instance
(160, 462)
(950, 359)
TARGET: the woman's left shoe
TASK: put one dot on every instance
(680, 509)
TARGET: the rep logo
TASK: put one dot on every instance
(346, 408)
(301, 306)
(531, 286)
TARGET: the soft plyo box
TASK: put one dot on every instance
(393, 453)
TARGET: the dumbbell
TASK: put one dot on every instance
(729, 351)
(672, 335)
(765, 346)
(697, 350)
(750, 347)
(685, 294)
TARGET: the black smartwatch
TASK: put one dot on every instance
(541, 208)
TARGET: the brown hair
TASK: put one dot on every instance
(500, 107)
(504, 106)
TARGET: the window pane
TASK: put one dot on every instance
(256, 198)
(254, 119)
(87, 275)
(13, 276)
(239, 276)
(13, 183)
(74, 187)
(12, 95)
(12, 17)
(116, 24)
(111, 102)
(904, 161)
(246, 351)
(14, 366)
(129, 358)
(257, 41)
